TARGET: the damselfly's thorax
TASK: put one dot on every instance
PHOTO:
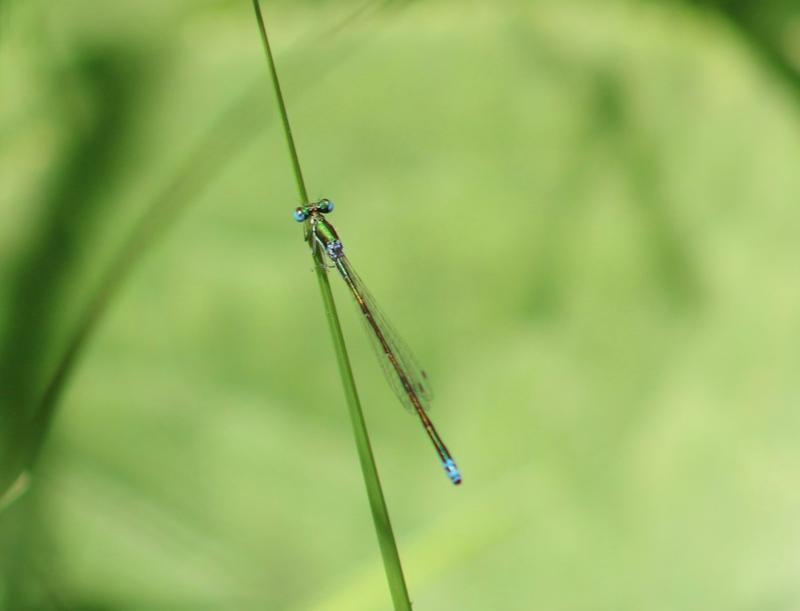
(321, 232)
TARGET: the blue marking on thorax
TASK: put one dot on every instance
(335, 249)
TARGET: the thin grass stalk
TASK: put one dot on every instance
(380, 514)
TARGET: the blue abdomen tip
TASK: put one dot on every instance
(452, 471)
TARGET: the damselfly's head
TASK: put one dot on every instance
(303, 212)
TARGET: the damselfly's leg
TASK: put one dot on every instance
(317, 247)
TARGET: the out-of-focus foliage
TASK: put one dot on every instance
(772, 29)
(582, 217)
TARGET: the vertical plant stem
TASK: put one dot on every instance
(287, 128)
(377, 503)
(380, 514)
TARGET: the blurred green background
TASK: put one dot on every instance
(582, 216)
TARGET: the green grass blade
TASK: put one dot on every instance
(380, 514)
(287, 128)
(377, 503)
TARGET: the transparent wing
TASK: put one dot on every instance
(415, 375)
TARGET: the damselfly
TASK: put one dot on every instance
(408, 381)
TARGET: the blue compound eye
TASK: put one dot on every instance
(300, 215)
(325, 205)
